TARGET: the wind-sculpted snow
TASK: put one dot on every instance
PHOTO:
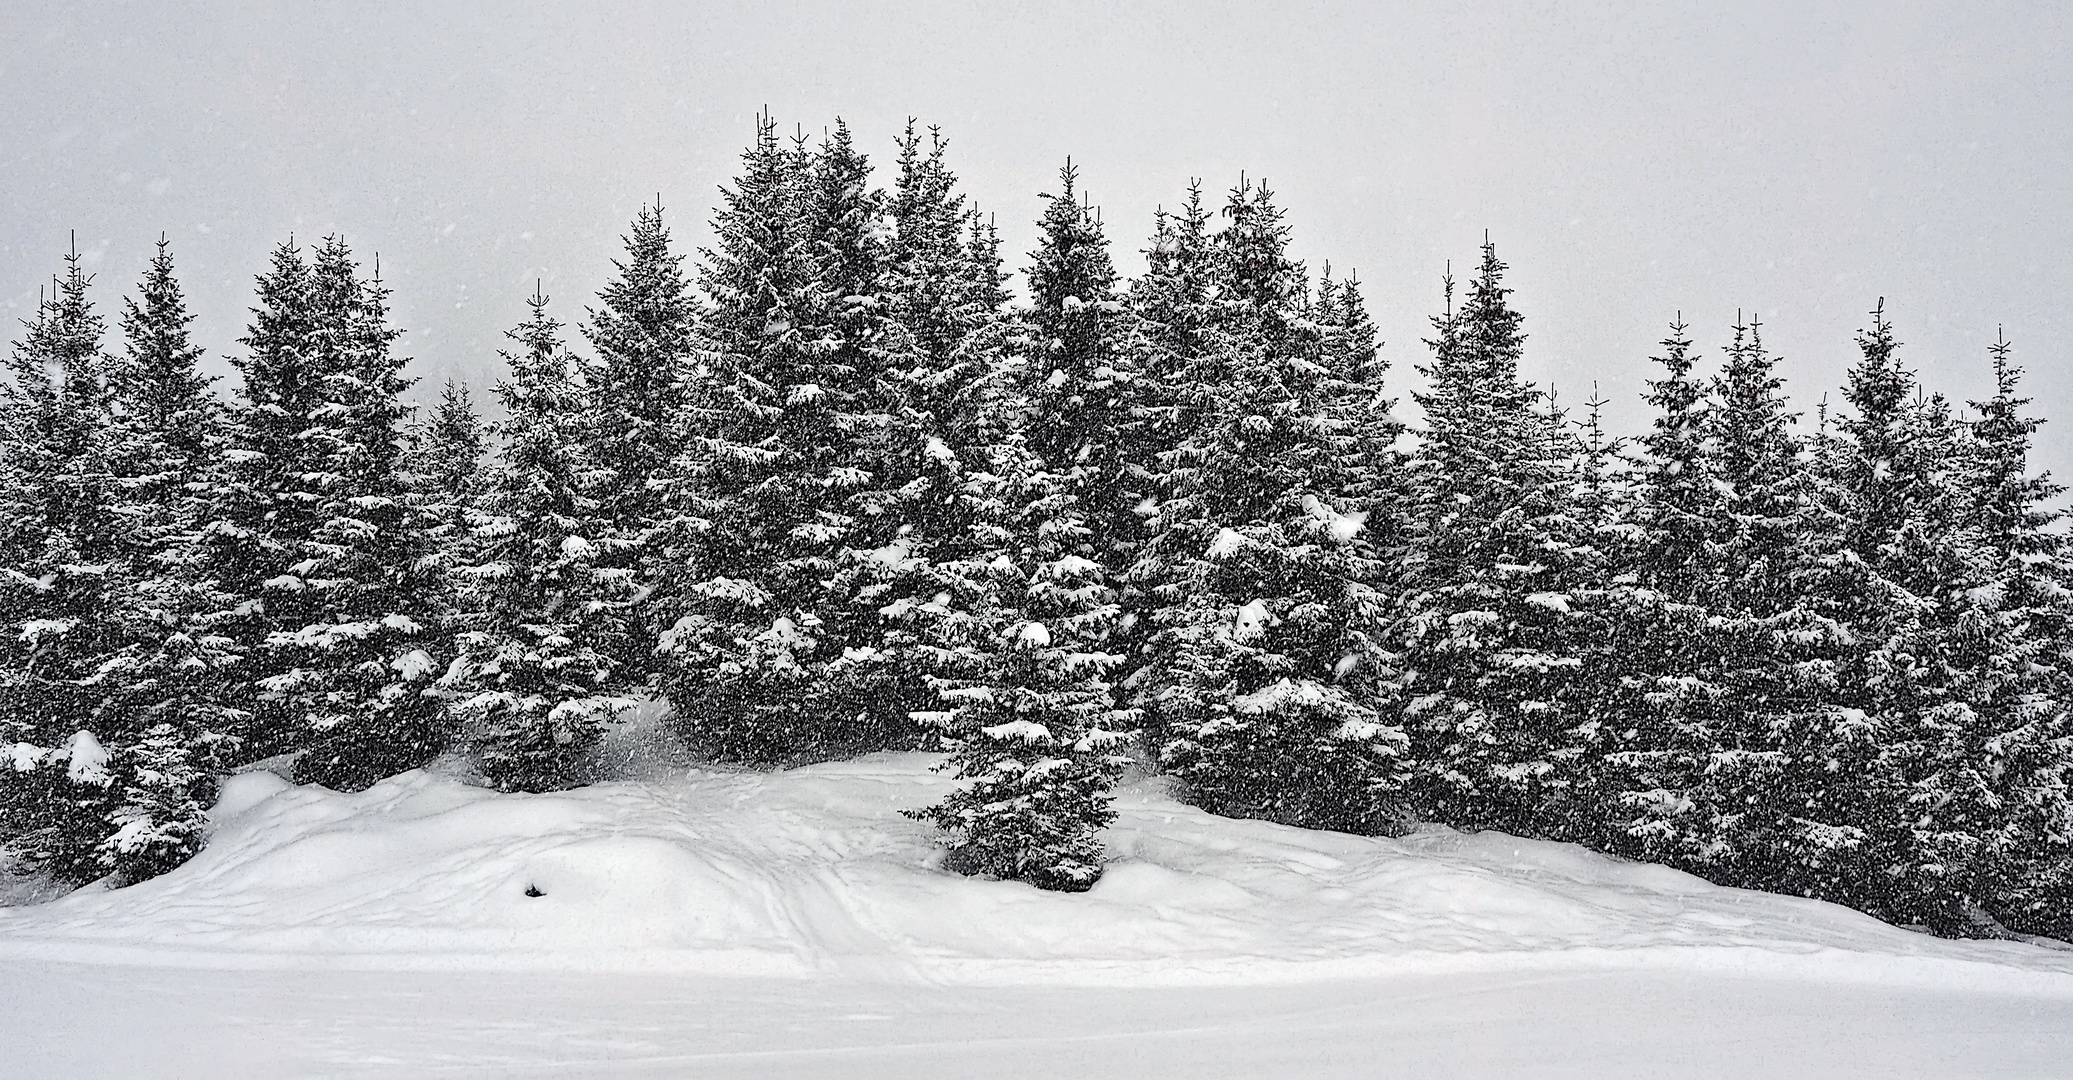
(815, 871)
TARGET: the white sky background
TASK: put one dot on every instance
(1630, 161)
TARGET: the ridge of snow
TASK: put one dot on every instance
(815, 869)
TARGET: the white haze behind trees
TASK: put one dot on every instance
(1634, 160)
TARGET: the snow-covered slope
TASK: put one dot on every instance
(815, 871)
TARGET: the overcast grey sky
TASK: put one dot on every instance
(1631, 161)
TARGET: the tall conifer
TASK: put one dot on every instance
(1490, 620)
(543, 623)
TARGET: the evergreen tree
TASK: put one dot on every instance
(372, 703)
(1963, 686)
(1491, 624)
(442, 465)
(1650, 784)
(167, 686)
(1173, 312)
(1848, 839)
(98, 464)
(1265, 671)
(1080, 387)
(167, 401)
(258, 511)
(755, 281)
(944, 382)
(1771, 569)
(1744, 655)
(943, 284)
(1677, 492)
(543, 621)
(162, 796)
(443, 478)
(643, 379)
(1028, 709)
(60, 586)
(773, 655)
(2002, 787)
(333, 595)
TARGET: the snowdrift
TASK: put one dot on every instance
(814, 871)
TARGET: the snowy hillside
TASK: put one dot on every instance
(793, 924)
(816, 871)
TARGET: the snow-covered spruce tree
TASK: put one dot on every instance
(1676, 494)
(442, 476)
(948, 351)
(946, 293)
(640, 382)
(883, 387)
(1666, 714)
(1490, 624)
(1265, 672)
(1623, 626)
(2004, 793)
(1370, 479)
(258, 510)
(333, 595)
(442, 465)
(60, 587)
(171, 415)
(1746, 651)
(166, 690)
(1955, 732)
(104, 689)
(376, 592)
(1173, 347)
(714, 656)
(641, 387)
(1172, 309)
(1027, 706)
(541, 622)
(1884, 547)
(1080, 386)
(770, 657)
(161, 796)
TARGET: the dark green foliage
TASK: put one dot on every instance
(1080, 387)
(775, 653)
(2005, 748)
(1026, 702)
(1265, 674)
(643, 377)
(1493, 619)
(542, 621)
(334, 602)
(442, 465)
(168, 684)
(109, 691)
(847, 496)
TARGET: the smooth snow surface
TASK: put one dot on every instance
(722, 923)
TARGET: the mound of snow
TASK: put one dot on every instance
(815, 870)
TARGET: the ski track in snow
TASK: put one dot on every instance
(795, 923)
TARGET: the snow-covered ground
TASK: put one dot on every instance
(795, 924)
